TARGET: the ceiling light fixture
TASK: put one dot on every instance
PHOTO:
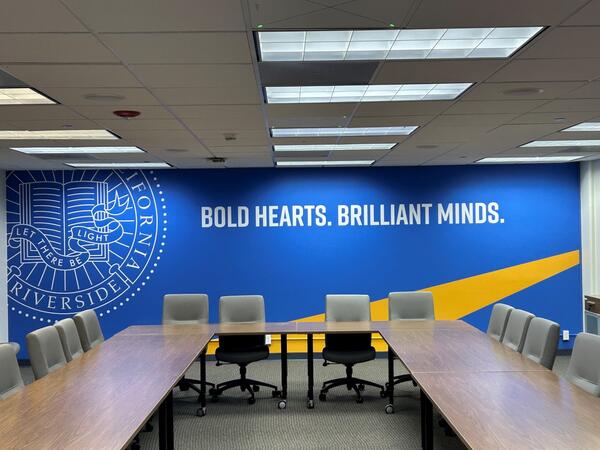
(23, 96)
(75, 150)
(584, 126)
(350, 131)
(365, 93)
(331, 147)
(64, 134)
(529, 159)
(390, 44)
(565, 143)
(120, 165)
(324, 163)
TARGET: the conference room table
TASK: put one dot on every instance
(491, 396)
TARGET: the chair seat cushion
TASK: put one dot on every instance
(244, 356)
(349, 356)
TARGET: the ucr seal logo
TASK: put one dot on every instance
(80, 239)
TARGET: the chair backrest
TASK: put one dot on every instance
(10, 375)
(584, 367)
(516, 329)
(180, 309)
(241, 309)
(89, 329)
(14, 345)
(410, 306)
(347, 308)
(45, 351)
(69, 338)
(541, 341)
(498, 321)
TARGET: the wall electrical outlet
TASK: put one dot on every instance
(565, 335)
(267, 339)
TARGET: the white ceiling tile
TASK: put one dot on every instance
(564, 42)
(196, 75)
(518, 91)
(327, 18)
(386, 12)
(140, 124)
(309, 115)
(101, 96)
(436, 71)
(268, 12)
(389, 121)
(107, 111)
(564, 118)
(590, 90)
(247, 150)
(37, 16)
(221, 117)
(208, 96)
(53, 48)
(249, 162)
(548, 70)
(402, 108)
(49, 124)
(73, 75)
(167, 48)
(36, 112)
(473, 119)
(588, 15)
(591, 105)
(494, 106)
(173, 15)
(477, 13)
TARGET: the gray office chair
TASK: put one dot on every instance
(89, 329)
(516, 329)
(14, 345)
(45, 351)
(498, 321)
(584, 367)
(242, 350)
(186, 309)
(409, 306)
(10, 375)
(69, 338)
(345, 348)
(541, 341)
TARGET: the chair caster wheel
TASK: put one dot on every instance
(212, 391)
(201, 412)
(389, 409)
(361, 387)
(251, 401)
(310, 404)
(360, 400)
(383, 393)
(256, 388)
(276, 393)
(322, 397)
(282, 404)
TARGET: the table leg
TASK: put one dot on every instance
(426, 422)
(391, 376)
(310, 365)
(165, 424)
(284, 366)
(201, 412)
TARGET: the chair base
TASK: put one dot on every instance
(351, 383)
(402, 379)
(245, 384)
(190, 383)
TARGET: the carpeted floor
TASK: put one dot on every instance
(231, 423)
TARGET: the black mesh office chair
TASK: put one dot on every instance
(242, 350)
(348, 349)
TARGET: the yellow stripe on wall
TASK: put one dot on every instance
(455, 299)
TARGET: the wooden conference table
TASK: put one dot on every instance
(491, 396)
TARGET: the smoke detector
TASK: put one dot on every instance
(230, 136)
(216, 160)
(523, 91)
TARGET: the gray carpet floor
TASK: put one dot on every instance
(338, 423)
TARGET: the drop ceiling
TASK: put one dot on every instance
(190, 68)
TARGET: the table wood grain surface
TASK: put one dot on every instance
(101, 400)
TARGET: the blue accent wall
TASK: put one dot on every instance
(145, 238)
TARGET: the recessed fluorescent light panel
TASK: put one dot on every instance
(566, 143)
(75, 150)
(530, 159)
(351, 45)
(23, 96)
(584, 126)
(37, 135)
(324, 163)
(365, 93)
(331, 147)
(354, 131)
(119, 165)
